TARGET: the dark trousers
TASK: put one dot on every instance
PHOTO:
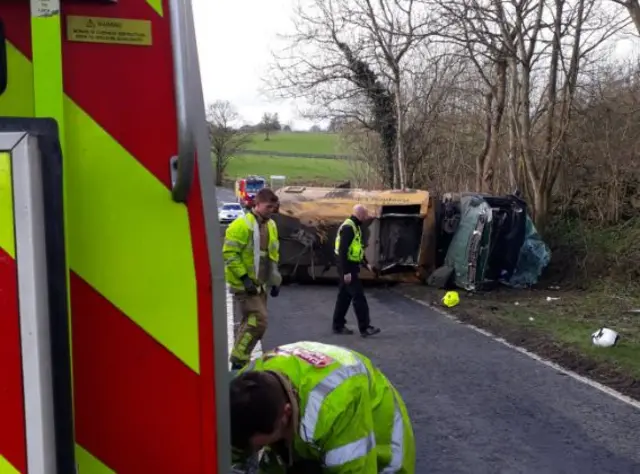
(347, 293)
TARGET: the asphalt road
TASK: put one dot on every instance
(225, 195)
(477, 406)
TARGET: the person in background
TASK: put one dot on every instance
(350, 256)
(251, 254)
(315, 408)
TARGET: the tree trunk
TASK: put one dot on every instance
(219, 171)
(402, 174)
(497, 113)
(541, 209)
(513, 157)
(633, 7)
(482, 156)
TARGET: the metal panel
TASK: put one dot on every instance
(35, 337)
(214, 243)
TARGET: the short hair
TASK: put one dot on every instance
(257, 401)
(266, 195)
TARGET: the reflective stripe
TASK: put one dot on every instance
(46, 44)
(230, 260)
(320, 393)
(350, 452)
(397, 441)
(232, 243)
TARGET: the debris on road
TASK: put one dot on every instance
(605, 337)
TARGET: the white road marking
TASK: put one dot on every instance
(232, 325)
(598, 386)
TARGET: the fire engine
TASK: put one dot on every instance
(113, 339)
(246, 189)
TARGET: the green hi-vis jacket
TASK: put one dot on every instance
(352, 420)
(241, 251)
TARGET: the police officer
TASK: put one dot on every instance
(315, 409)
(251, 255)
(350, 256)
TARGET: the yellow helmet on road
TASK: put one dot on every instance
(451, 299)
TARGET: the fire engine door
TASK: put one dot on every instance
(36, 434)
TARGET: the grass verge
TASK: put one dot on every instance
(560, 330)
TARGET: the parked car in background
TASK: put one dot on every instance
(229, 211)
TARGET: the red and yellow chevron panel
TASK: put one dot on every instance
(13, 456)
(141, 302)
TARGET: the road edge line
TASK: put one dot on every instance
(580, 378)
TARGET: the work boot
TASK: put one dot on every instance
(370, 331)
(344, 331)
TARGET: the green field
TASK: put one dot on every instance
(297, 142)
(296, 170)
(303, 170)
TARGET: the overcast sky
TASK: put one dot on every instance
(235, 40)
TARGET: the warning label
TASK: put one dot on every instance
(87, 29)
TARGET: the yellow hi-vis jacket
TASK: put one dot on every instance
(356, 250)
(352, 420)
(241, 252)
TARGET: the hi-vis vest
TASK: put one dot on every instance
(356, 251)
(241, 251)
(339, 426)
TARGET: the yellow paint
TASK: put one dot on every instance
(7, 242)
(157, 6)
(314, 205)
(6, 467)
(46, 45)
(89, 464)
(86, 29)
(125, 236)
(17, 100)
(128, 239)
(48, 91)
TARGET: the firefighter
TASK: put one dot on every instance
(350, 256)
(317, 408)
(251, 255)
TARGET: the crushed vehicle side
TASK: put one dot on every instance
(399, 237)
(480, 238)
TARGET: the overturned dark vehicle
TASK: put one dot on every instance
(400, 238)
(485, 240)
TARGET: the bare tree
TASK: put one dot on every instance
(529, 54)
(395, 29)
(227, 138)
(346, 58)
(269, 123)
(562, 37)
(481, 30)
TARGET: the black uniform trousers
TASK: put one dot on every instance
(347, 293)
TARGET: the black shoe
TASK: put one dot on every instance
(237, 366)
(370, 331)
(345, 331)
